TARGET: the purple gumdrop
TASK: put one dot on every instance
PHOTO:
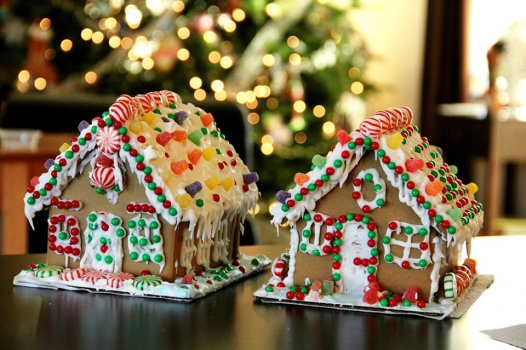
(166, 120)
(180, 117)
(193, 188)
(83, 125)
(440, 151)
(49, 163)
(250, 178)
(282, 196)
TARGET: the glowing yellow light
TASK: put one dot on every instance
(253, 118)
(299, 106)
(126, 43)
(241, 97)
(90, 77)
(252, 104)
(214, 57)
(220, 95)
(230, 26)
(300, 138)
(102, 24)
(272, 10)
(260, 91)
(66, 45)
(196, 83)
(110, 23)
(183, 33)
(45, 23)
(268, 60)
(49, 54)
(254, 212)
(294, 59)
(97, 37)
(328, 128)
(183, 54)
(148, 63)
(114, 42)
(133, 16)
(156, 7)
(293, 41)
(40, 83)
(86, 34)
(297, 123)
(22, 87)
(210, 37)
(132, 55)
(24, 76)
(250, 96)
(238, 15)
(336, 34)
(217, 85)
(356, 88)
(267, 149)
(226, 62)
(323, 2)
(178, 6)
(272, 103)
(318, 111)
(200, 94)
(354, 73)
(267, 139)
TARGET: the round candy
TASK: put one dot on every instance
(73, 274)
(121, 110)
(116, 279)
(48, 271)
(94, 276)
(103, 178)
(108, 139)
(147, 282)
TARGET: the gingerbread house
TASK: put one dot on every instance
(378, 223)
(146, 194)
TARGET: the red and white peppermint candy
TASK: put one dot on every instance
(117, 278)
(169, 97)
(108, 139)
(121, 111)
(386, 121)
(73, 274)
(144, 103)
(94, 276)
(103, 177)
(156, 98)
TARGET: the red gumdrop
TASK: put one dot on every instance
(410, 294)
(370, 295)
(187, 279)
(343, 137)
(413, 164)
(34, 181)
(163, 138)
(102, 160)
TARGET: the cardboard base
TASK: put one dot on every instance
(176, 291)
(354, 303)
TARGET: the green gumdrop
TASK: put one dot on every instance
(319, 161)
(453, 169)
(195, 137)
(327, 288)
(455, 214)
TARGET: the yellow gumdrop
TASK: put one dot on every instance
(166, 176)
(137, 128)
(394, 141)
(149, 118)
(227, 183)
(472, 187)
(184, 200)
(209, 153)
(212, 182)
(64, 147)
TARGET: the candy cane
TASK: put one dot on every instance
(121, 111)
(116, 279)
(156, 98)
(144, 103)
(168, 98)
(73, 274)
(386, 121)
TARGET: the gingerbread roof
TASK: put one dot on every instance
(189, 171)
(413, 166)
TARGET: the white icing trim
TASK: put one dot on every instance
(151, 248)
(408, 245)
(377, 180)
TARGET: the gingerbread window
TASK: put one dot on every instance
(407, 245)
(378, 184)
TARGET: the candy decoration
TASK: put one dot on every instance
(163, 138)
(472, 264)
(369, 175)
(195, 137)
(385, 121)
(193, 188)
(103, 178)
(104, 161)
(209, 153)
(94, 276)
(228, 183)
(412, 165)
(48, 271)
(169, 98)
(147, 282)
(408, 247)
(279, 268)
(411, 294)
(73, 274)
(156, 98)
(49, 163)
(194, 156)
(434, 188)
(184, 200)
(282, 196)
(343, 137)
(180, 117)
(64, 236)
(319, 161)
(207, 119)
(83, 125)
(327, 288)
(64, 147)
(250, 178)
(301, 178)
(394, 141)
(145, 103)
(179, 135)
(472, 187)
(450, 286)
(179, 167)
(121, 111)
(34, 181)
(108, 139)
(212, 182)
(455, 214)
(116, 279)
(370, 293)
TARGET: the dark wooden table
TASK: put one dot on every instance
(230, 319)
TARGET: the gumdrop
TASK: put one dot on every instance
(163, 138)
(472, 264)
(410, 294)
(282, 196)
(187, 279)
(434, 188)
(228, 183)
(166, 120)
(179, 166)
(207, 119)
(250, 178)
(327, 288)
(316, 286)
(64, 147)
(195, 137)
(301, 178)
(370, 295)
(193, 188)
(166, 175)
(455, 214)
(472, 187)
(83, 125)
(319, 161)
(394, 141)
(49, 163)
(413, 164)
(137, 128)
(194, 156)
(149, 118)
(212, 182)
(103, 160)
(34, 181)
(179, 135)
(343, 137)
(184, 200)
(180, 117)
(453, 169)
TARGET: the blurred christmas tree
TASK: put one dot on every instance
(296, 65)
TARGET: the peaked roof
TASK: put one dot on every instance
(413, 166)
(188, 170)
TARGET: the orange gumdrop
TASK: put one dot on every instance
(301, 178)
(179, 135)
(194, 156)
(179, 166)
(472, 264)
(207, 119)
(435, 187)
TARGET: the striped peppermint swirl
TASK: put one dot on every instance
(108, 140)
(386, 121)
(121, 111)
(103, 178)
(94, 276)
(156, 98)
(144, 103)
(117, 278)
(73, 274)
